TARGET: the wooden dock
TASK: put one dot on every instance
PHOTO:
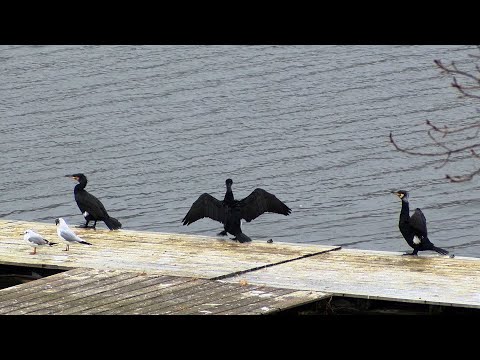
(118, 292)
(429, 279)
(131, 272)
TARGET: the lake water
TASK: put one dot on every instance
(153, 127)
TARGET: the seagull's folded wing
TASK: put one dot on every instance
(36, 239)
(69, 235)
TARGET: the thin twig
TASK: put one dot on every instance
(463, 178)
(446, 150)
(444, 153)
(455, 70)
(446, 130)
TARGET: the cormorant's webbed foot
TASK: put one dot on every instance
(222, 233)
(85, 226)
(413, 253)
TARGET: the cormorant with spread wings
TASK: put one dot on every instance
(230, 211)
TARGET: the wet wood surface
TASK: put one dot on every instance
(173, 254)
(427, 278)
(119, 292)
(110, 270)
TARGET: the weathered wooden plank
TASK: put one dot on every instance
(90, 296)
(220, 300)
(172, 298)
(172, 254)
(132, 305)
(285, 301)
(22, 293)
(256, 303)
(431, 279)
(93, 291)
(12, 233)
(132, 294)
(154, 301)
(13, 292)
(239, 296)
(138, 297)
(58, 295)
(188, 300)
(234, 299)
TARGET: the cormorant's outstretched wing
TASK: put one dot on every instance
(89, 203)
(206, 206)
(418, 222)
(259, 202)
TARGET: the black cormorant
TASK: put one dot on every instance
(91, 208)
(230, 211)
(414, 228)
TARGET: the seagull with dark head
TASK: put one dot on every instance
(414, 228)
(35, 240)
(67, 235)
(91, 208)
(230, 212)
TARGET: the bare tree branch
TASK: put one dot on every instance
(448, 147)
(475, 154)
(462, 178)
(438, 154)
(454, 70)
(446, 130)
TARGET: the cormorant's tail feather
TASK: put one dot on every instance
(440, 250)
(84, 242)
(112, 223)
(243, 238)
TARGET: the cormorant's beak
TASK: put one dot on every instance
(72, 177)
(397, 193)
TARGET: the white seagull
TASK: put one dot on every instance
(67, 235)
(33, 239)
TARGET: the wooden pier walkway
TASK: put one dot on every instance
(382, 275)
(118, 292)
(130, 272)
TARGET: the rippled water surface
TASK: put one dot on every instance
(153, 127)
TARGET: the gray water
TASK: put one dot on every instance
(153, 127)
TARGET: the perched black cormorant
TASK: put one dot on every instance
(414, 228)
(91, 208)
(230, 211)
